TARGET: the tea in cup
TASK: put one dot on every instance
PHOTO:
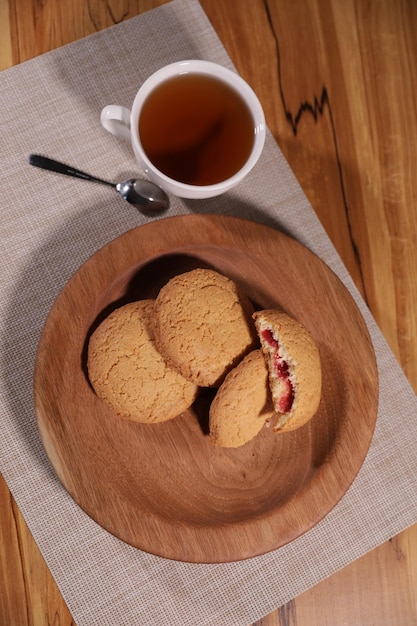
(196, 128)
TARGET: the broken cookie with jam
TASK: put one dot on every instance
(294, 368)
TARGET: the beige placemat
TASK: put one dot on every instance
(49, 226)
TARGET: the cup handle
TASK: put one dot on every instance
(116, 120)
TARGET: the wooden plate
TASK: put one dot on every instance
(164, 488)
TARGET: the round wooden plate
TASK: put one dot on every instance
(165, 488)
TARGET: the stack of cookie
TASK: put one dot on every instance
(148, 359)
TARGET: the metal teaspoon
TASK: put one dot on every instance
(143, 194)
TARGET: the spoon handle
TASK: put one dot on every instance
(55, 166)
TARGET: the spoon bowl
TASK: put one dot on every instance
(143, 194)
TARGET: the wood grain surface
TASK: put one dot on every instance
(338, 82)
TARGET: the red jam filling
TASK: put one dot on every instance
(282, 372)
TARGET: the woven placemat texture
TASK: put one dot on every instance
(49, 226)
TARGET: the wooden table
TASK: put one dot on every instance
(338, 82)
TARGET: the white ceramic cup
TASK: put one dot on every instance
(124, 123)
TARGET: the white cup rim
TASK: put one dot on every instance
(223, 73)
